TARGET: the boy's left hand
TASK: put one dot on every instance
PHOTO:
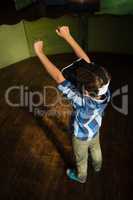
(38, 47)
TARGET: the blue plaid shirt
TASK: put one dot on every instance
(88, 111)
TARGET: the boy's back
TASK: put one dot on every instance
(88, 111)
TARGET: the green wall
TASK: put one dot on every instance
(13, 44)
(118, 7)
(44, 29)
(106, 33)
(22, 3)
(17, 40)
(111, 34)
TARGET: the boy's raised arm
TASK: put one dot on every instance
(65, 34)
(49, 66)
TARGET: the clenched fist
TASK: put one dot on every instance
(38, 47)
(63, 31)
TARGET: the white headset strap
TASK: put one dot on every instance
(103, 89)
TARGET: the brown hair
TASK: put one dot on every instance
(91, 77)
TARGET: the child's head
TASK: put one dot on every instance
(93, 79)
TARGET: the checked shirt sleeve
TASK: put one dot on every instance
(71, 93)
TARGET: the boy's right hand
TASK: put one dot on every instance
(63, 32)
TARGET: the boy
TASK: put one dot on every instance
(89, 100)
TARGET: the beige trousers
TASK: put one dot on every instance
(81, 150)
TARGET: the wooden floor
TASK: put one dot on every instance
(35, 152)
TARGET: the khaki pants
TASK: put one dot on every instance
(81, 153)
